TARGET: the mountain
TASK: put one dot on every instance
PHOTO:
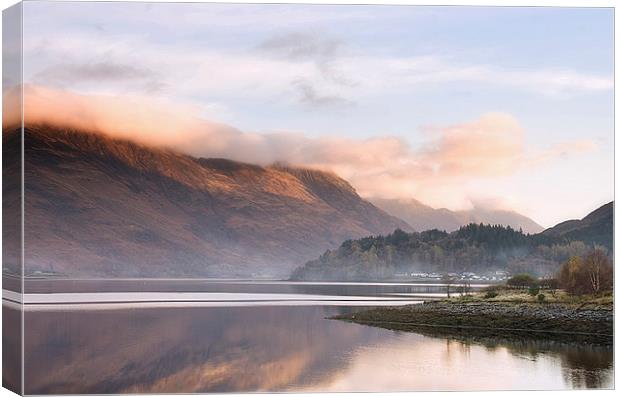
(97, 206)
(423, 217)
(471, 248)
(596, 228)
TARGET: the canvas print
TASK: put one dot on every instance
(205, 197)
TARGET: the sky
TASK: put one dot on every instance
(457, 107)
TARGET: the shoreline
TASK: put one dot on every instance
(566, 322)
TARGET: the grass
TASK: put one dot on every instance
(509, 295)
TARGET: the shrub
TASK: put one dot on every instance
(521, 281)
(541, 298)
(534, 290)
(491, 294)
(550, 284)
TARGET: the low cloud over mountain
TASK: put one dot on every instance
(453, 157)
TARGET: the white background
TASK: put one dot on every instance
(562, 3)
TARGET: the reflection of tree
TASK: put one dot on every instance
(448, 280)
(586, 367)
(583, 366)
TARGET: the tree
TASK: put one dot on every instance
(466, 287)
(569, 273)
(598, 270)
(591, 274)
(448, 280)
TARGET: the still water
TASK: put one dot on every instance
(276, 337)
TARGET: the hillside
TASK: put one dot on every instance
(596, 228)
(97, 206)
(423, 217)
(472, 248)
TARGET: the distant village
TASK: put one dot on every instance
(499, 275)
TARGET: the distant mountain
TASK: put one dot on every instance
(97, 206)
(596, 228)
(423, 217)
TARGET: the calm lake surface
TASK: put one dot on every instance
(168, 336)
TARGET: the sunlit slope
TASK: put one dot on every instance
(97, 206)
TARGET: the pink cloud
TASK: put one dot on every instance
(492, 146)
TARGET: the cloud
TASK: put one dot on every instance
(492, 146)
(64, 73)
(317, 48)
(308, 95)
(402, 73)
(146, 120)
(562, 150)
(302, 46)
(100, 73)
(270, 69)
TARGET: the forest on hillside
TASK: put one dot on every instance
(472, 248)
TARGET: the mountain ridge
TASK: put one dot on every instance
(595, 228)
(423, 217)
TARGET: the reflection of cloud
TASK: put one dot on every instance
(232, 374)
(490, 147)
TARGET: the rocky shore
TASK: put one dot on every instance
(565, 322)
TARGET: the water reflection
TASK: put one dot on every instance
(205, 285)
(281, 349)
(11, 349)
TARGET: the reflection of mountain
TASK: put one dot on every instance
(102, 207)
(244, 349)
(422, 217)
(597, 227)
(184, 350)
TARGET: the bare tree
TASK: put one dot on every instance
(448, 280)
(596, 264)
(467, 287)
